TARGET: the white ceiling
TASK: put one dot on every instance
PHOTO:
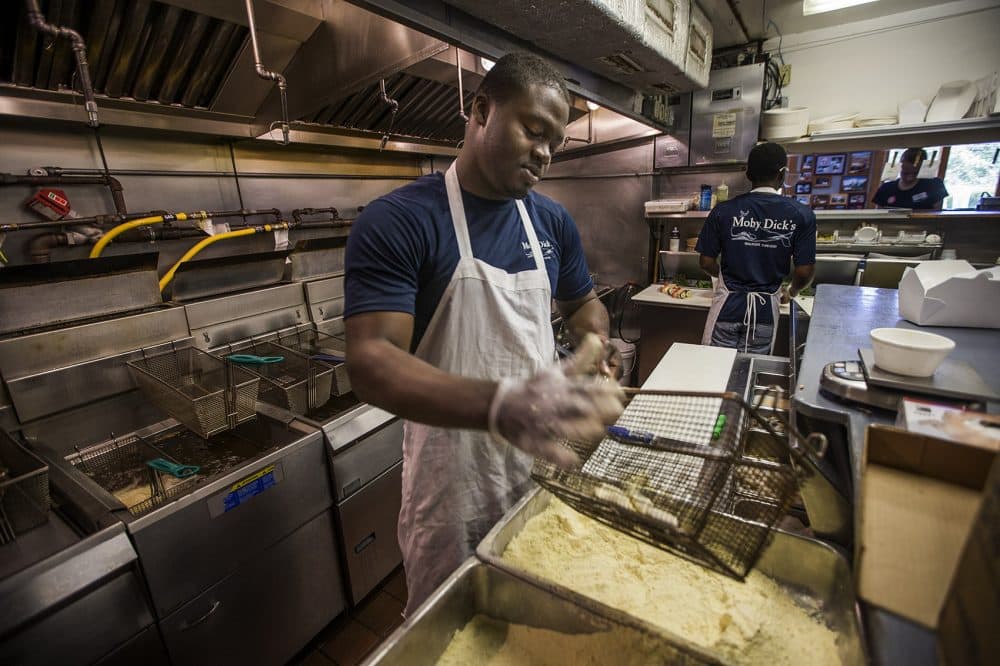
(787, 14)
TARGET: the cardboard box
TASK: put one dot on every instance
(967, 628)
(950, 293)
(919, 496)
(949, 422)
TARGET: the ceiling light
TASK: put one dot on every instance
(819, 6)
(593, 106)
(486, 63)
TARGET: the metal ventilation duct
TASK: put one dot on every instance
(138, 49)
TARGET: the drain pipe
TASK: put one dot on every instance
(37, 20)
(266, 73)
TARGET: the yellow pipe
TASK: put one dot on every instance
(141, 222)
(205, 242)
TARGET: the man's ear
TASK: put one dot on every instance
(480, 109)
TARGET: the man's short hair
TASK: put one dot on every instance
(766, 161)
(914, 156)
(516, 73)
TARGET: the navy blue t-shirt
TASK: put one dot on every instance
(925, 194)
(758, 235)
(402, 249)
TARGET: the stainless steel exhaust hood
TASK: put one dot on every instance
(187, 65)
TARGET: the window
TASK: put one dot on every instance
(972, 170)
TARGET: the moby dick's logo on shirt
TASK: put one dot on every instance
(747, 229)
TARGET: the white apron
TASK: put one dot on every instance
(457, 484)
(754, 299)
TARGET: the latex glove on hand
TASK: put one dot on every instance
(559, 402)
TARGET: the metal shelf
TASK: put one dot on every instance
(949, 132)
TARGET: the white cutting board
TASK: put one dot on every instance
(687, 367)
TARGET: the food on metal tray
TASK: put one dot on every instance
(675, 290)
(490, 642)
(753, 622)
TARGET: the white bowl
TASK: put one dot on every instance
(904, 351)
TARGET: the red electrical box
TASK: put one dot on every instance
(50, 203)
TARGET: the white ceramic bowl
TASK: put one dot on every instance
(904, 351)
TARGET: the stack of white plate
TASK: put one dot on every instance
(874, 121)
(840, 121)
(784, 124)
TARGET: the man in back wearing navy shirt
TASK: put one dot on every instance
(448, 297)
(908, 191)
(759, 235)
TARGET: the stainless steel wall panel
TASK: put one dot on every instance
(725, 116)
(205, 314)
(31, 354)
(608, 211)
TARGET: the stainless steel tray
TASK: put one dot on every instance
(806, 568)
(476, 588)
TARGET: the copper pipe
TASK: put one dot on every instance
(37, 20)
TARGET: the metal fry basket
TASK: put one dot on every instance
(328, 347)
(204, 393)
(119, 466)
(297, 382)
(24, 490)
(674, 473)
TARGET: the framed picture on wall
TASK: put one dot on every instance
(854, 183)
(804, 200)
(838, 199)
(832, 165)
(856, 200)
(820, 200)
(803, 187)
(859, 162)
(821, 181)
(807, 163)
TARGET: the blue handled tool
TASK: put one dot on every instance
(253, 358)
(623, 433)
(174, 469)
(329, 358)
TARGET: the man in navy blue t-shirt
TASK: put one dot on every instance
(908, 191)
(759, 235)
(448, 298)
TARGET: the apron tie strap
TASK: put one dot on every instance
(750, 317)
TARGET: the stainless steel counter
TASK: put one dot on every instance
(841, 320)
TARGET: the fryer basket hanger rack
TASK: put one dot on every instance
(675, 472)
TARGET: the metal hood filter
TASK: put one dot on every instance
(137, 49)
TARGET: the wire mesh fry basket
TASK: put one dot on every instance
(297, 382)
(674, 473)
(201, 391)
(119, 466)
(327, 349)
(24, 490)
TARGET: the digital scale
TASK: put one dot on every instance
(862, 381)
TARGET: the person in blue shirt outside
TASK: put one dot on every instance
(908, 191)
(448, 295)
(760, 236)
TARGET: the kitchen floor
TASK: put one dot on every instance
(355, 633)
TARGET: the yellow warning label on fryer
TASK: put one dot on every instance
(253, 477)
